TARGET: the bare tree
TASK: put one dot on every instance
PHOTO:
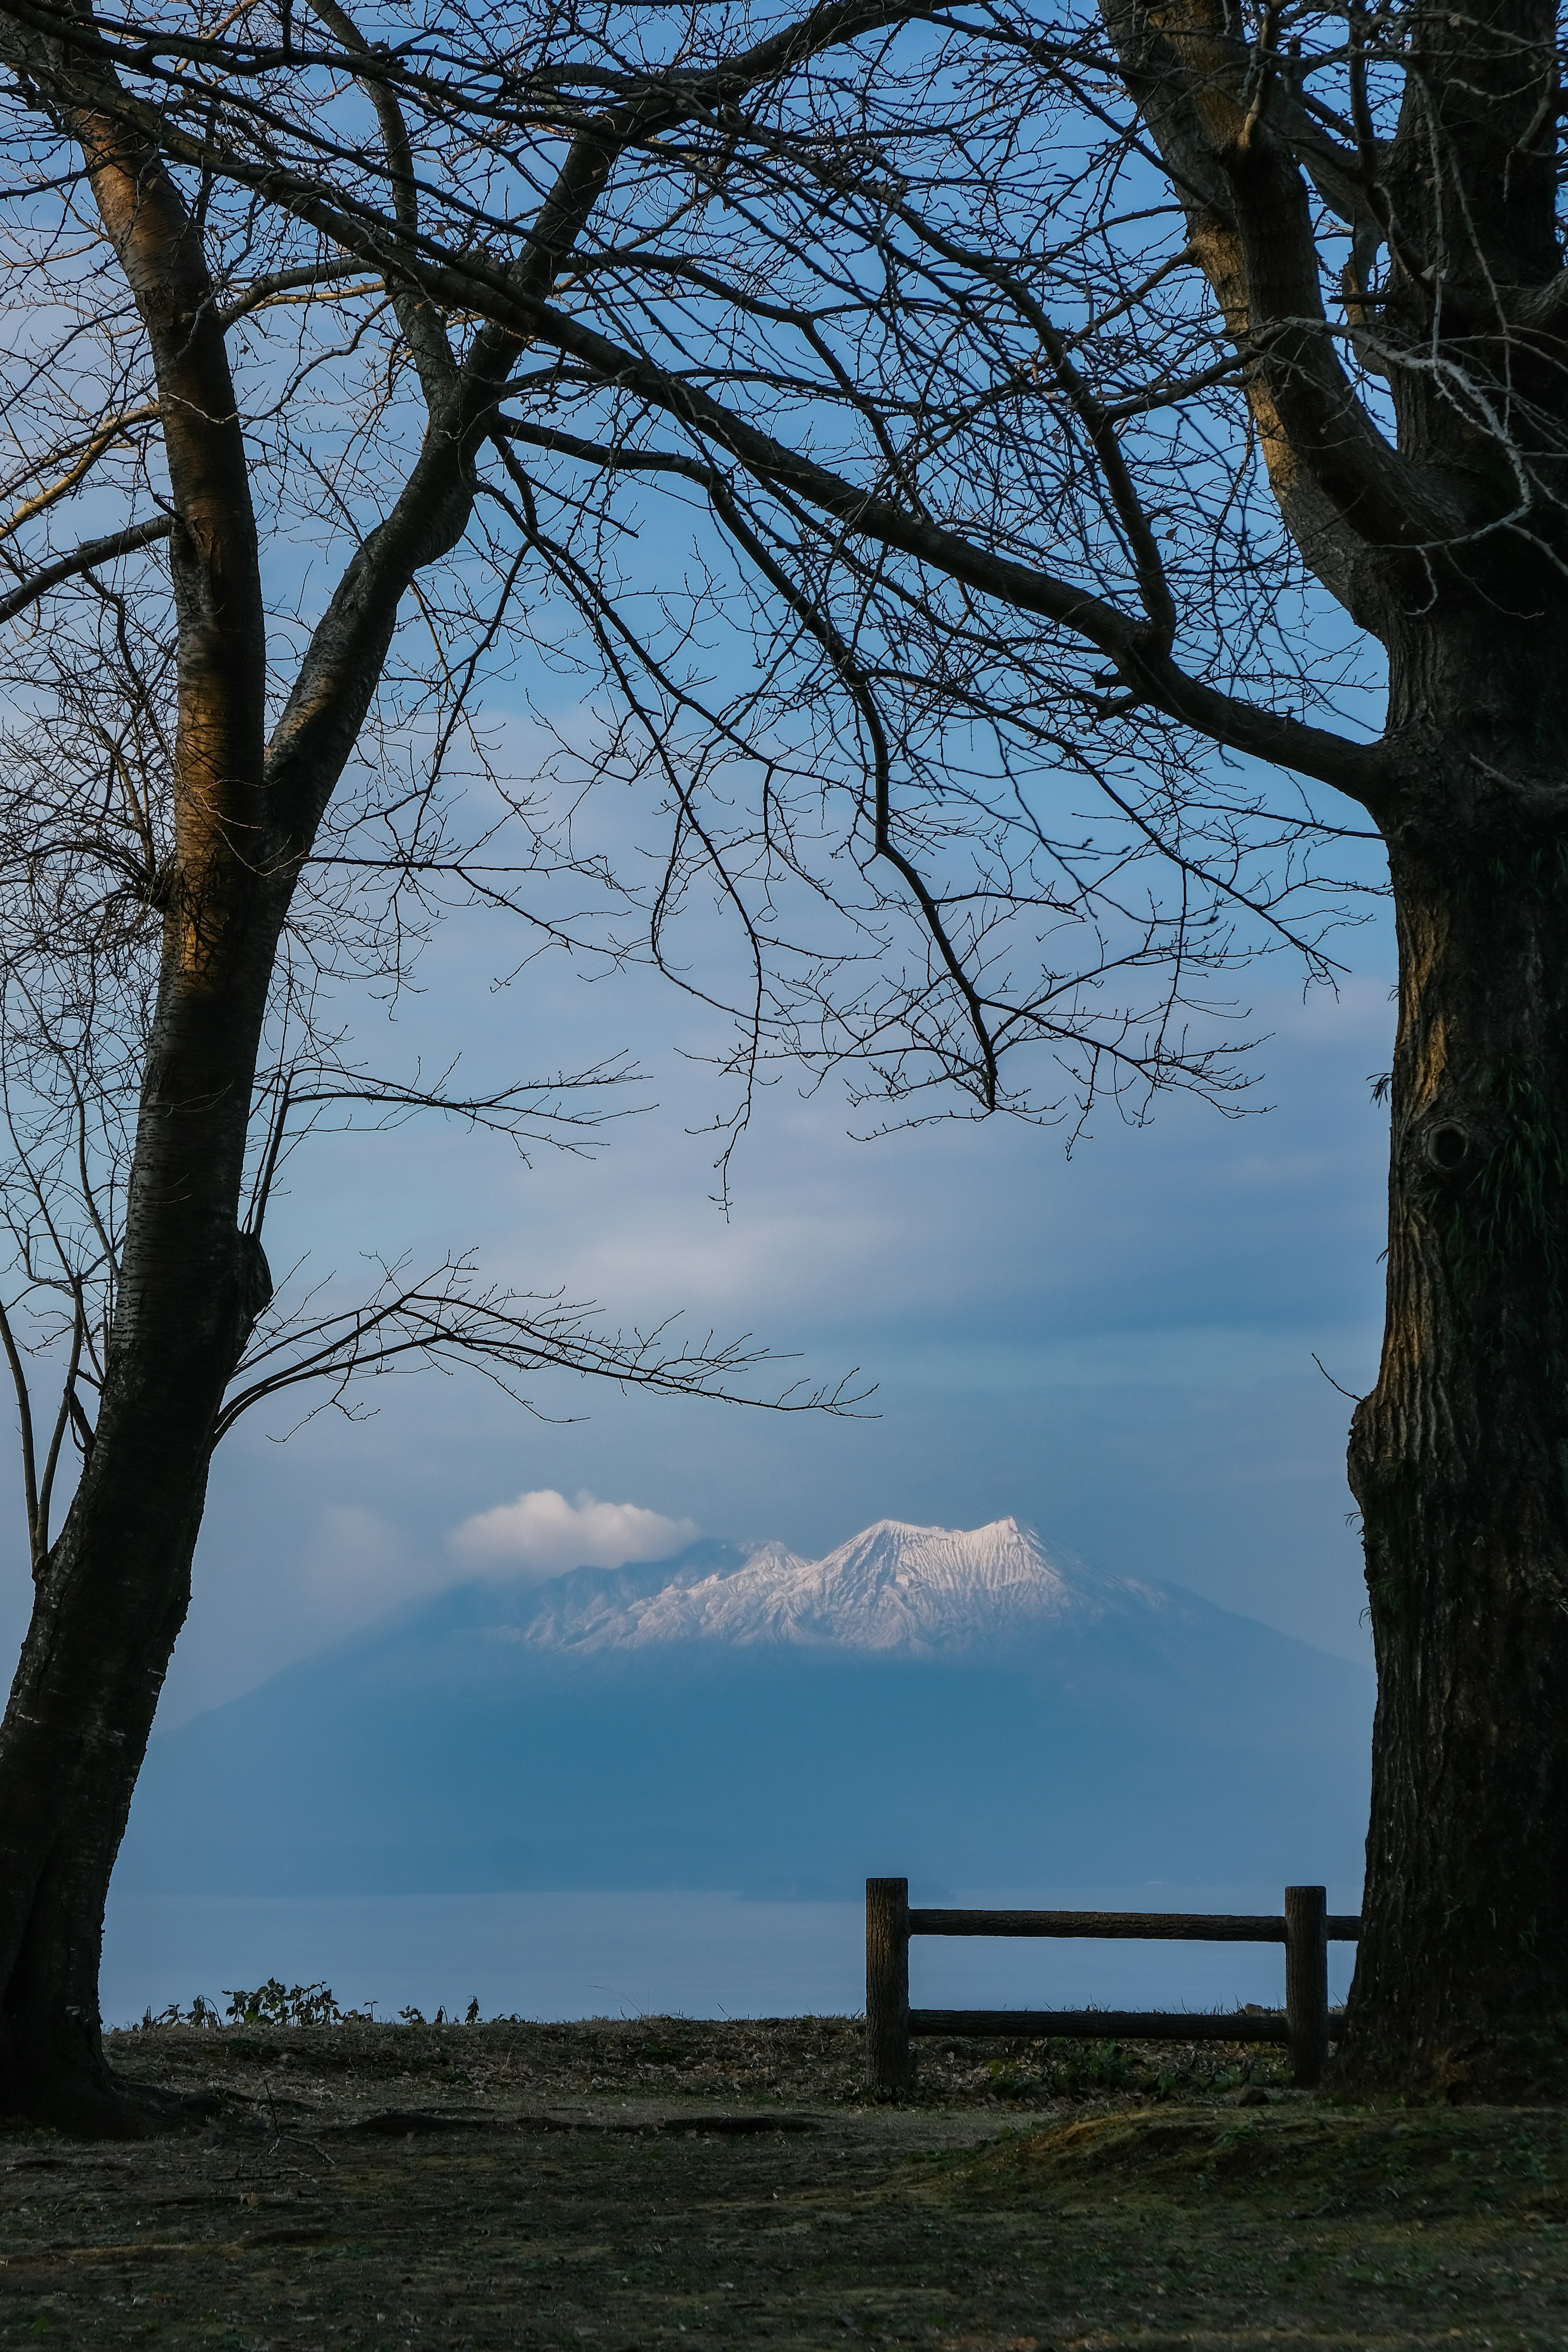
(1060, 431)
(176, 766)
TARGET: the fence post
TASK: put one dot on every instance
(887, 1983)
(1307, 1980)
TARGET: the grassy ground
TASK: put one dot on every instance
(700, 2186)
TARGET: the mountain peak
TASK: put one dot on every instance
(958, 1703)
(894, 1589)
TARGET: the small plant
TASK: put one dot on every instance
(276, 2004)
(1077, 2070)
(201, 2013)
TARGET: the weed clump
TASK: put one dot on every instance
(272, 2003)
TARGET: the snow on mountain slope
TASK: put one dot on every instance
(893, 1590)
(961, 1703)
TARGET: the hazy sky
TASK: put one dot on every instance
(1117, 1347)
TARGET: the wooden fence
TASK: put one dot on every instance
(1306, 1927)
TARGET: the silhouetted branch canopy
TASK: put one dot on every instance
(954, 466)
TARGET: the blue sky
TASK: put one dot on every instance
(1117, 1347)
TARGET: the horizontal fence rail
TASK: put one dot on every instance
(1306, 1927)
(1103, 2024)
(1129, 1927)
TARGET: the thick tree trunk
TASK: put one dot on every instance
(81, 1712)
(113, 1592)
(1459, 1457)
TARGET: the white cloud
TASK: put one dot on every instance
(544, 1532)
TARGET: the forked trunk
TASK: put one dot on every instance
(1459, 1457)
(113, 1592)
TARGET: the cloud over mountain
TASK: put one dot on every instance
(543, 1532)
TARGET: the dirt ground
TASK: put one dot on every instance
(666, 2182)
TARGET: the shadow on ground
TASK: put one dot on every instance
(660, 2181)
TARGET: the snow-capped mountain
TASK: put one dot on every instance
(892, 1590)
(961, 1704)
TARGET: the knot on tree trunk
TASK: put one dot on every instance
(253, 1288)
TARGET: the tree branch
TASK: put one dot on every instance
(86, 557)
(1346, 494)
(25, 1420)
(441, 1319)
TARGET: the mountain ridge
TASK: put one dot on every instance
(894, 1589)
(967, 1705)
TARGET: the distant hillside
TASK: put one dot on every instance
(963, 1706)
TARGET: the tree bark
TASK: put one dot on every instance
(113, 1590)
(112, 1593)
(1459, 1457)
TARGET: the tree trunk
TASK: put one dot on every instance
(113, 1594)
(1459, 1457)
(74, 1741)
(113, 1590)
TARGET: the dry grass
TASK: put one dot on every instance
(668, 2183)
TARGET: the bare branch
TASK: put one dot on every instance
(92, 553)
(446, 1318)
